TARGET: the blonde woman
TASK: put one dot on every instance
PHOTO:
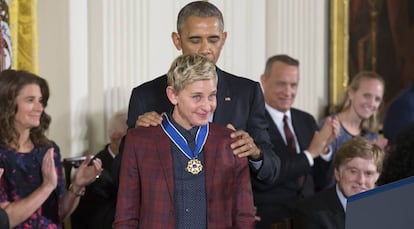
(357, 112)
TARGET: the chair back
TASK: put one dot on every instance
(69, 164)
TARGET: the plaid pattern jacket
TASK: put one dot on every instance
(146, 189)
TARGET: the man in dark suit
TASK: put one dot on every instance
(358, 163)
(100, 195)
(322, 211)
(299, 167)
(200, 30)
(182, 173)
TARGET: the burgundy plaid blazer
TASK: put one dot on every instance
(146, 189)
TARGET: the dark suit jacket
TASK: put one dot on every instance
(4, 219)
(106, 158)
(239, 102)
(146, 190)
(399, 116)
(276, 202)
(321, 211)
(99, 198)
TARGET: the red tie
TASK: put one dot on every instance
(290, 141)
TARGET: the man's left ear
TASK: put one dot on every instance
(262, 78)
(336, 175)
(171, 95)
(224, 37)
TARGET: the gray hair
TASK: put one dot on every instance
(117, 123)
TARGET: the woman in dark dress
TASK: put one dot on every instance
(32, 188)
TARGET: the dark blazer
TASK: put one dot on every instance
(321, 211)
(276, 202)
(99, 198)
(239, 102)
(4, 219)
(147, 182)
(106, 158)
(399, 116)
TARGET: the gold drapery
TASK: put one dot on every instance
(23, 27)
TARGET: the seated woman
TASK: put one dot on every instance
(32, 189)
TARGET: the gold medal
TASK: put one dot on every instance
(194, 166)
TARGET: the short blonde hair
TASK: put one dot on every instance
(359, 147)
(188, 68)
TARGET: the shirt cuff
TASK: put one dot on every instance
(309, 157)
(328, 156)
(256, 164)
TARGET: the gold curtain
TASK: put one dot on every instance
(339, 39)
(23, 27)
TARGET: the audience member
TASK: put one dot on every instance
(400, 115)
(200, 30)
(357, 112)
(280, 82)
(399, 163)
(117, 128)
(32, 189)
(183, 173)
(4, 219)
(96, 208)
(358, 164)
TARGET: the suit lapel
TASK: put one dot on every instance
(339, 219)
(224, 100)
(297, 124)
(276, 137)
(336, 208)
(166, 162)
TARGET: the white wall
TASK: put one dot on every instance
(299, 28)
(54, 65)
(94, 52)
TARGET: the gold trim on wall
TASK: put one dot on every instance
(338, 50)
(23, 28)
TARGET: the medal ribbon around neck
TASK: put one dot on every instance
(181, 142)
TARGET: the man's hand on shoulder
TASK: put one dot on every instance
(149, 119)
(244, 145)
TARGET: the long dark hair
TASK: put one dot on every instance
(11, 82)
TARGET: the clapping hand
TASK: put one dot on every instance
(87, 173)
